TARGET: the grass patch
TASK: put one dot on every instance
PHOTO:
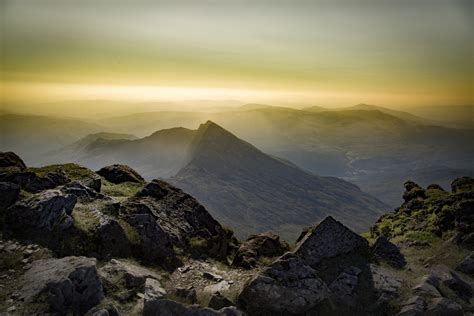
(84, 220)
(130, 232)
(197, 243)
(121, 190)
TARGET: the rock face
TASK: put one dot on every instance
(120, 173)
(386, 251)
(111, 239)
(49, 181)
(330, 239)
(47, 211)
(286, 286)
(9, 194)
(265, 244)
(160, 209)
(70, 285)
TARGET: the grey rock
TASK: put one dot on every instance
(10, 159)
(71, 284)
(264, 244)
(442, 306)
(120, 173)
(165, 307)
(328, 240)
(344, 287)
(111, 239)
(385, 283)
(153, 289)
(47, 211)
(454, 281)
(467, 265)
(212, 276)
(414, 306)
(79, 190)
(51, 180)
(8, 194)
(386, 251)
(426, 288)
(188, 294)
(286, 286)
(132, 275)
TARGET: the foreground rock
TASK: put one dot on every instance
(261, 245)
(43, 213)
(9, 194)
(286, 286)
(11, 160)
(120, 173)
(467, 265)
(69, 285)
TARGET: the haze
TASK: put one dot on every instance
(330, 53)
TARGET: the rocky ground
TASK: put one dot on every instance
(79, 242)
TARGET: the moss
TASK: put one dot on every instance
(197, 243)
(130, 232)
(125, 189)
(420, 235)
(73, 171)
(266, 260)
(84, 220)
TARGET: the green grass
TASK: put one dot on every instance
(83, 218)
(130, 232)
(197, 243)
(121, 190)
(73, 171)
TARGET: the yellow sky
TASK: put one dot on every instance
(328, 53)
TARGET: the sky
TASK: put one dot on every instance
(327, 53)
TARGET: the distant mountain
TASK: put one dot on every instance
(459, 116)
(251, 191)
(159, 155)
(32, 135)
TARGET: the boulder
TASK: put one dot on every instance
(10, 159)
(288, 286)
(51, 180)
(427, 287)
(8, 194)
(119, 174)
(467, 265)
(414, 306)
(442, 306)
(92, 180)
(69, 285)
(44, 212)
(80, 190)
(155, 244)
(219, 301)
(385, 284)
(343, 289)
(386, 251)
(187, 294)
(265, 244)
(454, 281)
(111, 239)
(187, 223)
(329, 240)
(167, 307)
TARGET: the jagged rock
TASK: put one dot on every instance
(265, 244)
(92, 180)
(343, 288)
(453, 281)
(462, 184)
(330, 239)
(155, 243)
(219, 287)
(288, 285)
(70, 284)
(219, 301)
(167, 307)
(414, 306)
(10, 159)
(120, 173)
(8, 194)
(212, 276)
(187, 223)
(153, 289)
(47, 211)
(428, 287)
(111, 239)
(467, 265)
(442, 306)
(386, 251)
(79, 190)
(49, 181)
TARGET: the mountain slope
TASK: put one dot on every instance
(253, 192)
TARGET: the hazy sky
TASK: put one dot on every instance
(385, 52)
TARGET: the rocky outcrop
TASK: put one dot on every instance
(120, 173)
(329, 240)
(111, 239)
(462, 184)
(11, 160)
(167, 211)
(288, 285)
(386, 251)
(261, 245)
(9, 194)
(69, 285)
(80, 191)
(44, 212)
(50, 181)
